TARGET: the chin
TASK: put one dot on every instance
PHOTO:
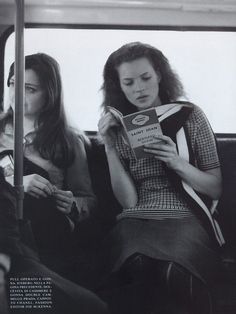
(143, 106)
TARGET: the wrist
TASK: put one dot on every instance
(178, 165)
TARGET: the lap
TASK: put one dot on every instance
(183, 241)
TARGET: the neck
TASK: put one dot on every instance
(157, 102)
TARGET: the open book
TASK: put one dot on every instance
(139, 128)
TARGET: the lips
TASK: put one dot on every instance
(143, 97)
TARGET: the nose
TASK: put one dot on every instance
(139, 86)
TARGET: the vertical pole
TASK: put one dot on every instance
(19, 105)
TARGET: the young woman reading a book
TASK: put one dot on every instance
(57, 185)
(166, 232)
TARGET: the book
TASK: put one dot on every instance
(139, 129)
(7, 164)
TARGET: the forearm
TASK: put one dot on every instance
(122, 184)
(3, 293)
(5, 262)
(206, 182)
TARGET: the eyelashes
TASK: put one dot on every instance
(131, 82)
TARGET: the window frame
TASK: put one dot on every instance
(184, 28)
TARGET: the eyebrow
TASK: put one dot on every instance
(32, 85)
(27, 84)
(131, 78)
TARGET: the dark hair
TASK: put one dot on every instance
(170, 87)
(53, 136)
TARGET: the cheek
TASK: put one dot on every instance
(155, 87)
(39, 103)
(11, 98)
(126, 91)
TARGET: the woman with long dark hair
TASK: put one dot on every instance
(57, 185)
(166, 234)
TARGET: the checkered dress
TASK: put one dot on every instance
(158, 196)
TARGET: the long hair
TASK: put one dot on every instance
(170, 87)
(53, 136)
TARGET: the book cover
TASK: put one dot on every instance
(7, 164)
(139, 129)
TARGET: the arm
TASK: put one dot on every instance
(78, 182)
(3, 292)
(4, 269)
(208, 182)
(122, 184)
(5, 263)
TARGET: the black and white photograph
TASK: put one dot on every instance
(117, 157)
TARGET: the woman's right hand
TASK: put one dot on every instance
(37, 186)
(105, 125)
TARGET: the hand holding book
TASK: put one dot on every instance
(139, 129)
(166, 151)
(106, 129)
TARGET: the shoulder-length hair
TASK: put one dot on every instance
(53, 136)
(170, 87)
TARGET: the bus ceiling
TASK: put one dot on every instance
(124, 12)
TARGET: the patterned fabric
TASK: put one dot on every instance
(158, 194)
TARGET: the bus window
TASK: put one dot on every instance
(204, 60)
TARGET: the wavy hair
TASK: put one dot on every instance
(53, 135)
(170, 87)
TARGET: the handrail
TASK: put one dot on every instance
(19, 71)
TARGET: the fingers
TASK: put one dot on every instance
(164, 150)
(37, 192)
(106, 129)
(38, 186)
(164, 138)
(164, 144)
(107, 121)
(44, 185)
(64, 200)
(157, 152)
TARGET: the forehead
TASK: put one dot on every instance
(31, 77)
(135, 68)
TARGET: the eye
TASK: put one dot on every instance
(11, 84)
(128, 82)
(146, 78)
(30, 89)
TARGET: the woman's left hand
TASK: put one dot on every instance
(165, 150)
(64, 200)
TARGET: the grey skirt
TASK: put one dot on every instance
(183, 241)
